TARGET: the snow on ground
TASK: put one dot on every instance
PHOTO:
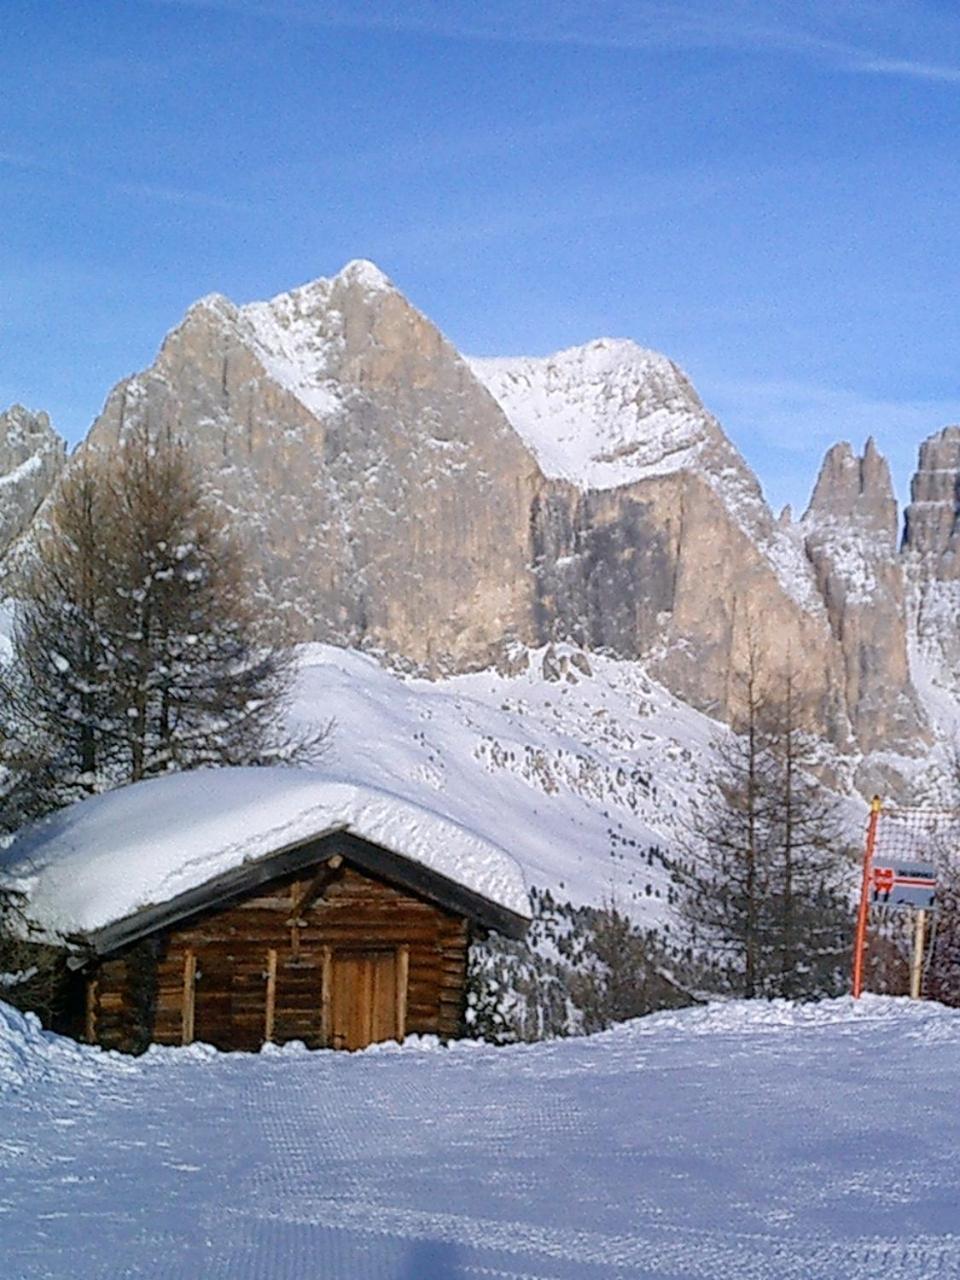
(576, 780)
(757, 1142)
(101, 859)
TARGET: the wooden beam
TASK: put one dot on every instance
(292, 922)
(403, 977)
(90, 1019)
(326, 996)
(309, 893)
(271, 1005)
(189, 996)
(916, 962)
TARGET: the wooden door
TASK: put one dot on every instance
(368, 992)
(230, 999)
(212, 1021)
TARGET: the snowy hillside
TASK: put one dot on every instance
(582, 777)
(752, 1141)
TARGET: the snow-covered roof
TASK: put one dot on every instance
(104, 859)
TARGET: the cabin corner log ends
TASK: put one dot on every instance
(331, 953)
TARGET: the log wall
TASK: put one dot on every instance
(221, 963)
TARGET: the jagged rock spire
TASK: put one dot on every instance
(857, 489)
(932, 524)
(850, 533)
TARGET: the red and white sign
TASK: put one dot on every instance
(883, 879)
(904, 886)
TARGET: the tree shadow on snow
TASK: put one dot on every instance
(431, 1260)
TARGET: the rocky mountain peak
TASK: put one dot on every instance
(363, 274)
(398, 497)
(856, 490)
(931, 544)
(932, 527)
(850, 534)
(603, 414)
(31, 457)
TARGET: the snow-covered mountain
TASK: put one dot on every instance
(456, 516)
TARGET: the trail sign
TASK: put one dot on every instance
(904, 885)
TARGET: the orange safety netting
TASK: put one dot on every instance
(900, 841)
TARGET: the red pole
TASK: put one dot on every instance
(861, 941)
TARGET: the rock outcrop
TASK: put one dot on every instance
(31, 457)
(382, 494)
(851, 532)
(931, 548)
(652, 537)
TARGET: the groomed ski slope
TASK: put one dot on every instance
(762, 1142)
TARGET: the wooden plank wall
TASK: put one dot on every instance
(138, 997)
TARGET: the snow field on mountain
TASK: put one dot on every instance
(612, 413)
(762, 1142)
(577, 778)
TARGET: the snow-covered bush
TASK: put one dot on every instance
(30, 973)
(580, 969)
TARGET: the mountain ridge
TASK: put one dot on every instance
(399, 497)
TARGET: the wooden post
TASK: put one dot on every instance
(189, 996)
(326, 996)
(271, 1006)
(90, 1018)
(403, 975)
(296, 889)
(861, 939)
(916, 964)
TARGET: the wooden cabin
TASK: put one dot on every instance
(302, 917)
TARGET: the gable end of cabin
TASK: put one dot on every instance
(332, 954)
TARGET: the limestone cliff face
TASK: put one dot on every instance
(851, 531)
(931, 548)
(660, 570)
(651, 535)
(384, 497)
(31, 457)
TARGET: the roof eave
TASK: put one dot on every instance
(250, 875)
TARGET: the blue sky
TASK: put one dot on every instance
(768, 192)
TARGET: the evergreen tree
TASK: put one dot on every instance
(57, 696)
(30, 971)
(943, 970)
(197, 680)
(136, 647)
(943, 967)
(724, 878)
(759, 887)
(809, 914)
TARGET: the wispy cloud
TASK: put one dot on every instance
(798, 421)
(865, 37)
(147, 191)
(576, 209)
(905, 67)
